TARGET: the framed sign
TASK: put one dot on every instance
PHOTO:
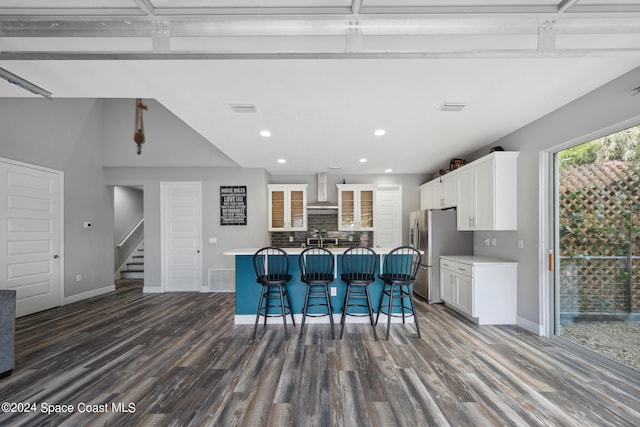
(233, 205)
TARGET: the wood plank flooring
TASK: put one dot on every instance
(177, 360)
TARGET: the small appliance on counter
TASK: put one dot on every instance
(434, 232)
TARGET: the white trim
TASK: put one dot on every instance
(152, 290)
(89, 294)
(61, 203)
(547, 191)
(530, 326)
(250, 319)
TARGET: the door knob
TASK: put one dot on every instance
(56, 256)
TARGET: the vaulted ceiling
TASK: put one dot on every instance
(323, 75)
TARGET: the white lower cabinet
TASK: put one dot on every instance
(484, 289)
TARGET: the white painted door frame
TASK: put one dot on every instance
(181, 236)
(55, 252)
(549, 244)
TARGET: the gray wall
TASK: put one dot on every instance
(65, 135)
(605, 110)
(254, 234)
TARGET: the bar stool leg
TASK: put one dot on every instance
(255, 328)
(284, 313)
(344, 309)
(329, 309)
(286, 292)
(389, 314)
(415, 315)
(304, 309)
(373, 326)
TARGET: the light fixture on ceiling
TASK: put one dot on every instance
(282, 161)
(452, 106)
(335, 167)
(379, 132)
(388, 170)
(24, 84)
(265, 133)
(363, 160)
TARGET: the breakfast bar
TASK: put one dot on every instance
(248, 290)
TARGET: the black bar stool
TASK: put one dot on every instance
(358, 271)
(316, 267)
(398, 274)
(272, 271)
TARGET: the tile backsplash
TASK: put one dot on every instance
(325, 222)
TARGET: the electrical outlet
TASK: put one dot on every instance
(87, 225)
(351, 238)
(487, 242)
(334, 291)
(78, 277)
(520, 243)
(494, 241)
(290, 239)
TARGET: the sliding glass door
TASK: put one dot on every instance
(597, 285)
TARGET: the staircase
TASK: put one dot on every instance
(135, 268)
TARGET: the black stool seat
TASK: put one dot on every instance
(272, 273)
(398, 274)
(358, 272)
(317, 271)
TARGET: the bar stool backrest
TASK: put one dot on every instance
(402, 263)
(359, 264)
(316, 264)
(271, 265)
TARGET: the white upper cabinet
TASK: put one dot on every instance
(445, 189)
(487, 193)
(288, 207)
(426, 195)
(356, 206)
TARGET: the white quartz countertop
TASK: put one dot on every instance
(298, 251)
(473, 259)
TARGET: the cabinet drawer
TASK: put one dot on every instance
(448, 265)
(465, 269)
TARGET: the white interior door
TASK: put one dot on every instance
(388, 217)
(181, 238)
(30, 230)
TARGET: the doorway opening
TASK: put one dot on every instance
(597, 223)
(128, 226)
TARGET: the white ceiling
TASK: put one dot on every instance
(324, 74)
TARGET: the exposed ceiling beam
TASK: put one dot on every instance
(565, 5)
(146, 7)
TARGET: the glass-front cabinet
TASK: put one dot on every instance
(356, 207)
(288, 207)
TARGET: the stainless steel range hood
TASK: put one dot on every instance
(322, 203)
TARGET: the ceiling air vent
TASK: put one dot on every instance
(452, 106)
(243, 108)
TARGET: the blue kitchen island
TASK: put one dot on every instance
(248, 290)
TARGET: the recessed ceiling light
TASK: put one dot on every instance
(388, 170)
(265, 133)
(363, 160)
(335, 167)
(282, 161)
(379, 132)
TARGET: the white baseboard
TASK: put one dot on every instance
(530, 326)
(89, 294)
(151, 290)
(250, 319)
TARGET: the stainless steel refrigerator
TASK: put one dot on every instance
(434, 232)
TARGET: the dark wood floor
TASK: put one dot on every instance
(179, 360)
